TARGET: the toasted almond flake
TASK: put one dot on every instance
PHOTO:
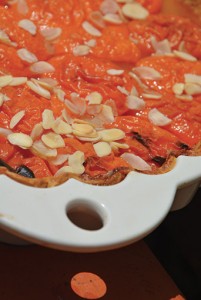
(42, 84)
(61, 127)
(102, 149)
(48, 119)
(106, 114)
(77, 106)
(111, 103)
(51, 33)
(64, 170)
(123, 90)
(162, 47)
(89, 28)
(134, 91)
(22, 7)
(151, 95)
(5, 80)
(109, 6)
(94, 109)
(41, 150)
(5, 131)
(27, 56)
(60, 94)
(94, 98)
(76, 159)
(89, 139)
(41, 67)
(184, 97)
(135, 11)
(85, 129)
(192, 78)
(91, 43)
(50, 82)
(184, 55)
(60, 159)
(36, 131)
(115, 72)
(4, 38)
(110, 135)
(125, 1)
(158, 118)
(147, 73)
(112, 18)
(138, 80)
(136, 162)
(134, 102)
(192, 89)
(81, 50)
(178, 88)
(16, 118)
(97, 19)
(18, 81)
(22, 140)
(53, 140)
(116, 146)
(28, 25)
(38, 89)
(66, 117)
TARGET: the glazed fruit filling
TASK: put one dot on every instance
(87, 87)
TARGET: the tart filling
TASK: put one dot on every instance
(95, 89)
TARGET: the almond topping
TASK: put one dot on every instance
(134, 102)
(94, 98)
(158, 118)
(109, 6)
(91, 29)
(5, 80)
(135, 11)
(112, 18)
(64, 170)
(152, 95)
(16, 118)
(192, 78)
(110, 135)
(47, 119)
(91, 43)
(61, 127)
(38, 89)
(60, 94)
(50, 33)
(28, 25)
(53, 140)
(115, 72)
(40, 149)
(178, 88)
(106, 114)
(192, 89)
(41, 67)
(18, 81)
(81, 50)
(4, 38)
(136, 162)
(184, 55)
(22, 140)
(116, 146)
(102, 149)
(27, 56)
(75, 161)
(147, 73)
(60, 159)
(36, 131)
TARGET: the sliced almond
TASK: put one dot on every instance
(110, 135)
(18, 81)
(184, 97)
(162, 47)
(106, 114)
(147, 73)
(48, 119)
(192, 78)
(91, 43)
(123, 90)
(158, 118)
(41, 150)
(28, 25)
(16, 118)
(38, 89)
(178, 88)
(22, 140)
(184, 55)
(94, 98)
(41, 67)
(53, 140)
(109, 6)
(5, 80)
(61, 127)
(135, 11)
(112, 18)
(22, 7)
(151, 95)
(134, 102)
(97, 19)
(192, 89)
(136, 162)
(102, 149)
(115, 72)
(51, 33)
(89, 28)
(64, 170)
(27, 56)
(116, 146)
(4, 38)
(36, 131)
(60, 159)
(81, 50)
(76, 161)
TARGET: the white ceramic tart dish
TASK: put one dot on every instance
(108, 216)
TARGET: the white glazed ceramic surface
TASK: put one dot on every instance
(129, 210)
